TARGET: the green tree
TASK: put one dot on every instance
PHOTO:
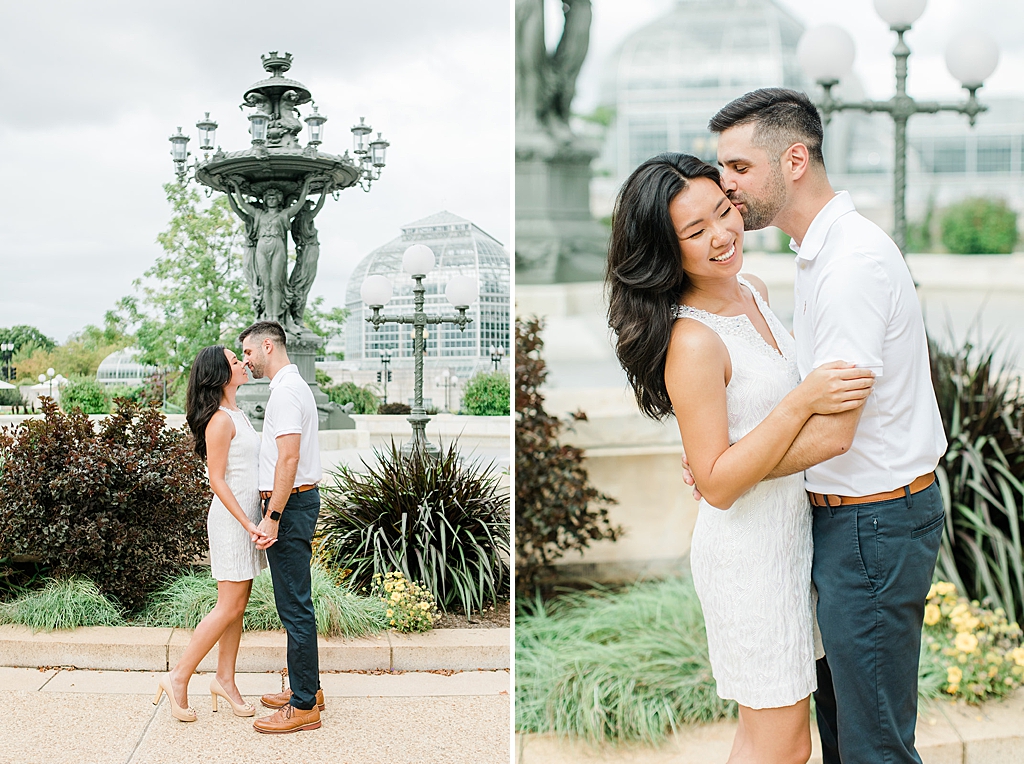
(979, 227)
(328, 323)
(195, 294)
(26, 337)
(80, 355)
(487, 394)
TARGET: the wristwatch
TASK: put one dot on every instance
(275, 516)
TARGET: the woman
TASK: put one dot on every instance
(231, 447)
(698, 340)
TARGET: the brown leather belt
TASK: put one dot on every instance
(834, 500)
(300, 489)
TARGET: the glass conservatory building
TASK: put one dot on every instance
(123, 368)
(460, 248)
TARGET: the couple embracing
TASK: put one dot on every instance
(813, 456)
(265, 507)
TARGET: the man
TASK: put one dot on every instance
(289, 472)
(877, 513)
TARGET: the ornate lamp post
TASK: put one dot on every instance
(385, 375)
(449, 383)
(267, 186)
(47, 376)
(6, 354)
(826, 54)
(376, 291)
(497, 353)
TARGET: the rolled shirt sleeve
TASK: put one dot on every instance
(853, 306)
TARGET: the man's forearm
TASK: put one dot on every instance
(284, 481)
(822, 437)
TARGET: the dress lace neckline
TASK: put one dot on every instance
(741, 323)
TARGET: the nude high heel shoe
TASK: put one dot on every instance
(179, 713)
(243, 709)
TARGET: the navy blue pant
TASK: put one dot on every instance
(289, 559)
(873, 566)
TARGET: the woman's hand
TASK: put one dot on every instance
(836, 387)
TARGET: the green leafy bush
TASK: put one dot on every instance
(124, 507)
(979, 227)
(437, 520)
(557, 507)
(10, 396)
(410, 607)
(394, 408)
(86, 395)
(186, 599)
(62, 604)
(981, 476)
(974, 651)
(364, 398)
(487, 394)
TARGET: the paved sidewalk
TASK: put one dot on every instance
(58, 716)
(947, 733)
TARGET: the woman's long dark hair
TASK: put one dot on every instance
(210, 372)
(645, 273)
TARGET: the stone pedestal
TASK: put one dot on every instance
(557, 240)
(252, 397)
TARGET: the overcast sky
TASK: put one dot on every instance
(614, 20)
(93, 90)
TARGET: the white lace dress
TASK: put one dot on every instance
(233, 556)
(751, 563)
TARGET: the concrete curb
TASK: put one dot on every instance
(947, 733)
(135, 648)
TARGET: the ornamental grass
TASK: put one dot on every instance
(62, 604)
(185, 600)
(615, 666)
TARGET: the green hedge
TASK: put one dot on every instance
(979, 227)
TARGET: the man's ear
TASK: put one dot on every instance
(796, 161)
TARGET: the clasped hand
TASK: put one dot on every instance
(262, 535)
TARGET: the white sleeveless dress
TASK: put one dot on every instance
(233, 555)
(751, 564)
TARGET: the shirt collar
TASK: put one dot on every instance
(285, 370)
(814, 239)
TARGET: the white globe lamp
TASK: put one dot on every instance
(418, 260)
(826, 53)
(376, 291)
(900, 13)
(461, 291)
(972, 57)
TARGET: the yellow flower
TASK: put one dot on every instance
(932, 614)
(954, 675)
(390, 612)
(959, 610)
(1017, 654)
(965, 642)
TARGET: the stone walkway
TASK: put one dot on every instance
(61, 716)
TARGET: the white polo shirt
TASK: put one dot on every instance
(856, 302)
(291, 409)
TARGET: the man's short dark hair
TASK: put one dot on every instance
(264, 329)
(782, 117)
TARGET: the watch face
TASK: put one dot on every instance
(275, 516)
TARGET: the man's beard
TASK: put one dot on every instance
(759, 212)
(257, 369)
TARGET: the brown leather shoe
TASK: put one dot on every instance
(289, 719)
(280, 699)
